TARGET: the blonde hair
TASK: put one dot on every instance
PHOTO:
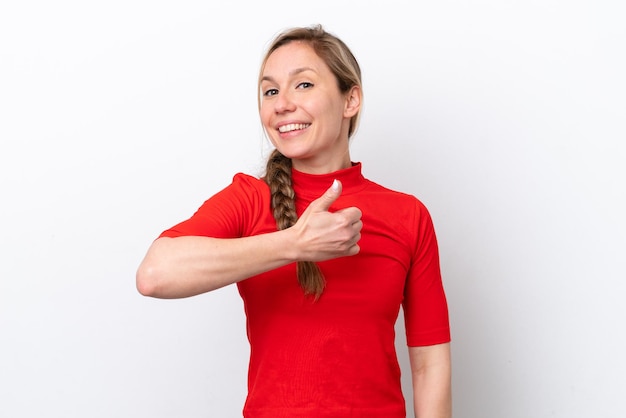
(345, 67)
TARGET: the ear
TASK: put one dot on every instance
(353, 102)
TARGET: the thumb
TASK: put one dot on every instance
(324, 201)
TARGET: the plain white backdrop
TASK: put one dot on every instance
(119, 118)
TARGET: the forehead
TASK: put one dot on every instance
(292, 56)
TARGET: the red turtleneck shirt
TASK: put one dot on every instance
(334, 357)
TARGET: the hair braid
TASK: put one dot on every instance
(278, 177)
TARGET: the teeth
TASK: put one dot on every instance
(293, 127)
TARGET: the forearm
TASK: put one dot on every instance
(191, 265)
(431, 373)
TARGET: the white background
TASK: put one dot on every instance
(119, 118)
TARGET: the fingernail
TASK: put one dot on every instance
(335, 185)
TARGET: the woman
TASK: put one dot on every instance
(323, 258)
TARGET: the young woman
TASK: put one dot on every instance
(323, 258)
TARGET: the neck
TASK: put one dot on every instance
(312, 166)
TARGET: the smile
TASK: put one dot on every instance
(293, 127)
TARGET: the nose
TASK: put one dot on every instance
(284, 103)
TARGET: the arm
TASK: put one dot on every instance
(190, 265)
(186, 266)
(431, 371)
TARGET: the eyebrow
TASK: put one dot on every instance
(291, 73)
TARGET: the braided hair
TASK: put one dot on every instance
(278, 177)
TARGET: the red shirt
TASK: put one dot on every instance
(334, 357)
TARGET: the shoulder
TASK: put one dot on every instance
(245, 188)
(394, 198)
(248, 180)
(401, 211)
(247, 185)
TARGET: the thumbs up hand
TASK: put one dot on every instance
(323, 235)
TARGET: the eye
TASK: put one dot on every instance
(270, 92)
(305, 85)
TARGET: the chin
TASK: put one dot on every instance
(292, 153)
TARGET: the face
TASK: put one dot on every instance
(303, 112)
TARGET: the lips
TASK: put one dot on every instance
(293, 127)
